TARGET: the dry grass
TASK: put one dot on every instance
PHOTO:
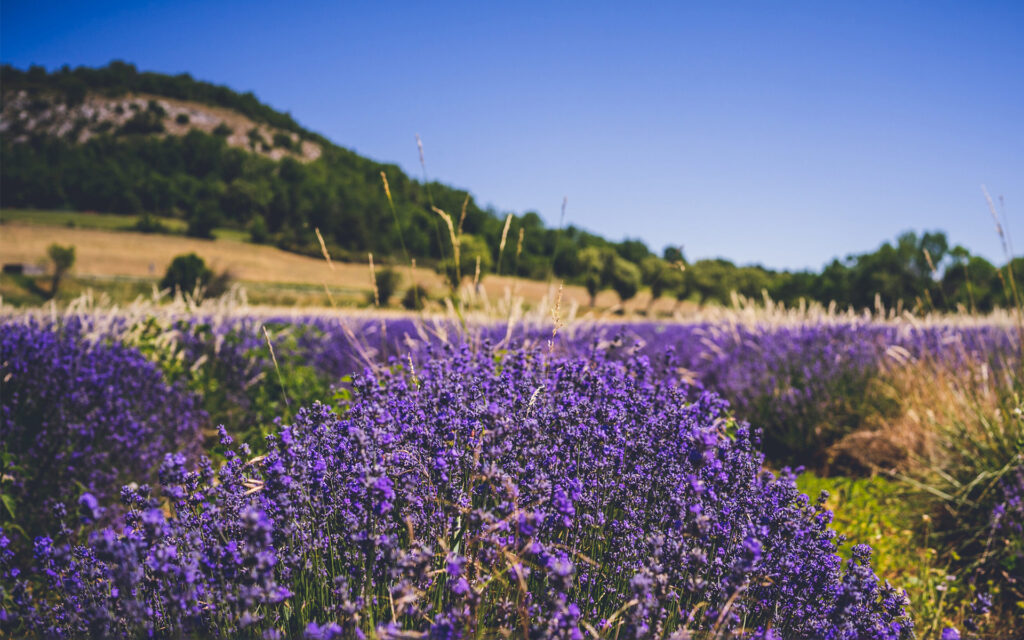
(110, 253)
(930, 395)
(939, 406)
(122, 253)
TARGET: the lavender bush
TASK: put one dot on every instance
(79, 418)
(806, 385)
(473, 494)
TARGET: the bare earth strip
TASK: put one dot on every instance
(123, 253)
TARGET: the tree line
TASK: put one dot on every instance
(362, 206)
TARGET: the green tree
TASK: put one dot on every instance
(388, 281)
(258, 231)
(661, 276)
(415, 298)
(63, 258)
(592, 263)
(203, 220)
(470, 249)
(186, 273)
(713, 280)
(670, 281)
(624, 277)
(673, 255)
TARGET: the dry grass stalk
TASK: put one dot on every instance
(419, 146)
(280, 379)
(995, 218)
(462, 218)
(928, 259)
(323, 248)
(556, 317)
(373, 281)
(504, 237)
(932, 397)
(387, 188)
(330, 298)
(454, 238)
(330, 263)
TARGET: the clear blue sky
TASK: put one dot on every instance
(771, 132)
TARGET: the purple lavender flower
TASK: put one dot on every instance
(570, 486)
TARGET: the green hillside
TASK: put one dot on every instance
(199, 178)
(159, 147)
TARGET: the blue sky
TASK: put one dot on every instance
(770, 132)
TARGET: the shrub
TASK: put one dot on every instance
(803, 385)
(81, 417)
(142, 123)
(483, 494)
(283, 140)
(415, 297)
(222, 130)
(972, 473)
(182, 118)
(256, 139)
(471, 250)
(258, 231)
(186, 274)
(63, 258)
(624, 278)
(147, 223)
(219, 284)
(203, 220)
(388, 280)
(154, 107)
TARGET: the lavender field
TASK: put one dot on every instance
(219, 471)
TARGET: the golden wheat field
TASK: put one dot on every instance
(101, 253)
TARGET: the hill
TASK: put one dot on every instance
(117, 140)
(160, 147)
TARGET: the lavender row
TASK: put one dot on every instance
(79, 416)
(482, 492)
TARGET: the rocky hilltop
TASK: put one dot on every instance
(26, 112)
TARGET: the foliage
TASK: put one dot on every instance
(415, 297)
(560, 496)
(63, 258)
(258, 231)
(148, 223)
(186, 273)
(604, 268)
(79, 418)
(975, 477)
(624, 278)
(282, 141)
(119, 78)
(471, 249)
(387, 282)
(663, 277)
(898, 524)
(198, 177)
(592, 262)
(143, 123)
